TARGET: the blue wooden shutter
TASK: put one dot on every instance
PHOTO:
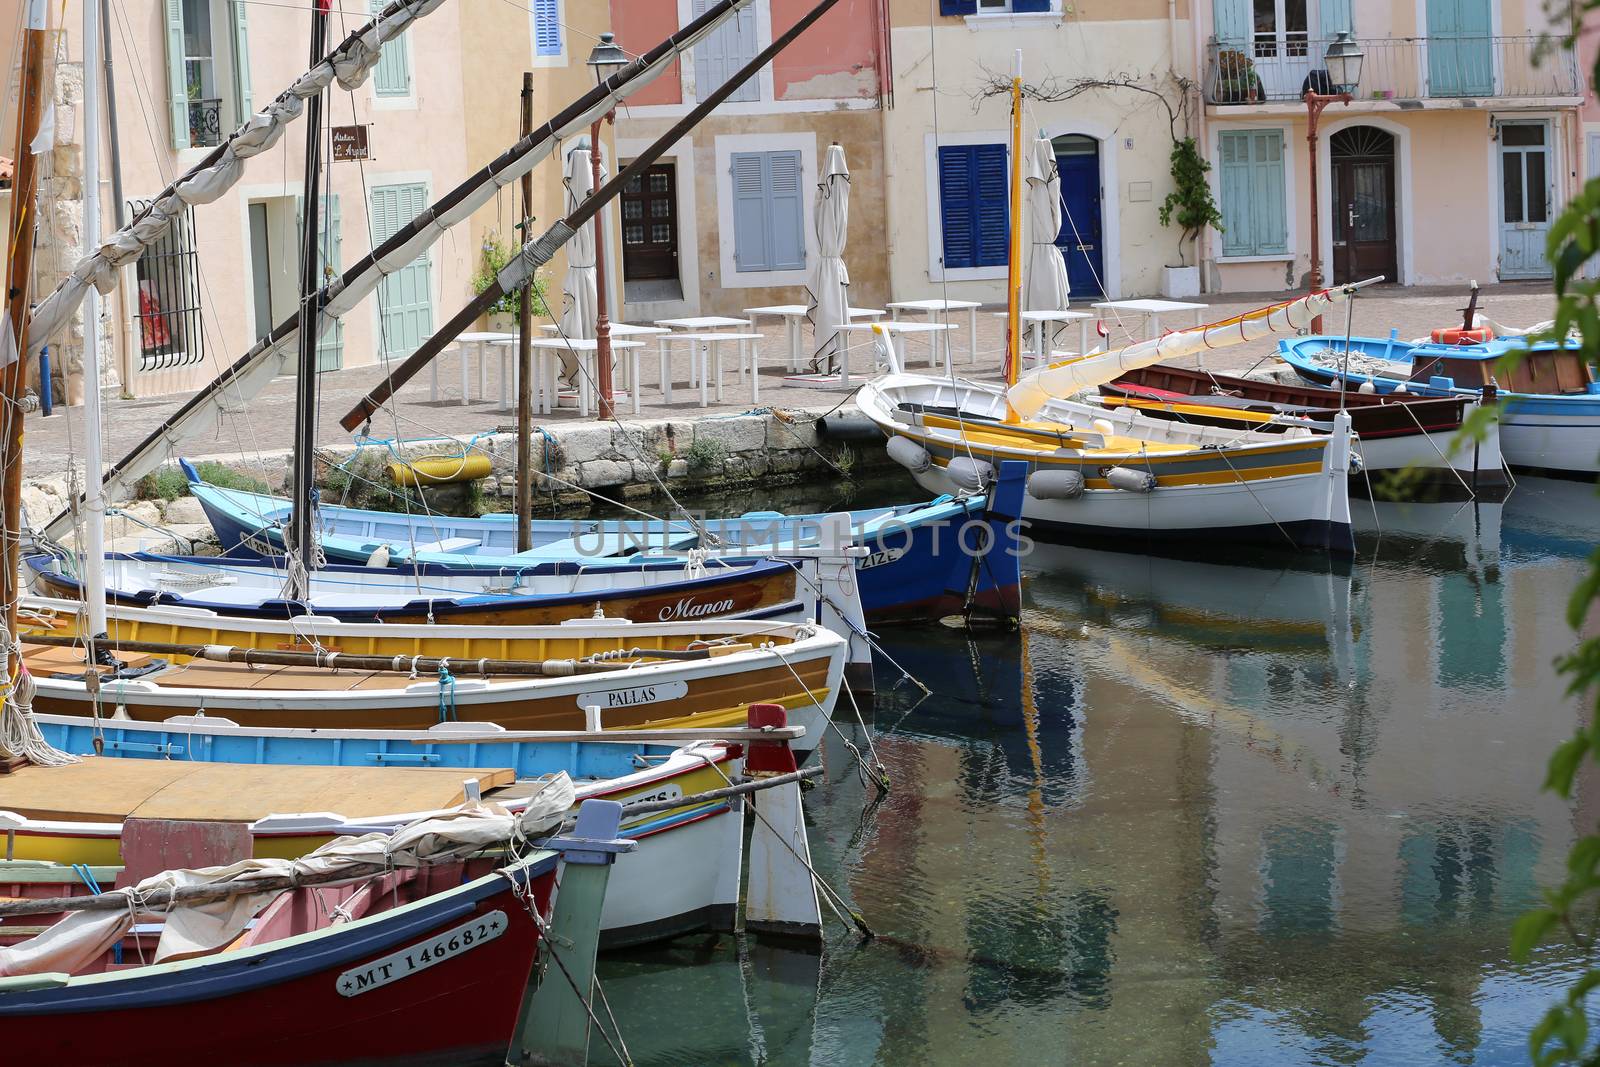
(785, 211)
(241, 62)
(973, 198)
(958, 7)
(1231, 21)
(1233, 180)
(393, 75)
(1025, 6)
(546, 27)
(405, 300)
(750, 232)
(1271, 222)
(993, 218)
(177, 83)
(957, 206)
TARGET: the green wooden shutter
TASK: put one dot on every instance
(405, 300)
(177, 87)
(1231, 22)
(242, 104)
(1250, 180)
(1271, 222)
(1336, 19)
(393, 74)
(1233, 180)
(330, 254)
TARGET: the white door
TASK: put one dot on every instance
(1526, 199)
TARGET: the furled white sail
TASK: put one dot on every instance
(273, 356)
(1061, 380)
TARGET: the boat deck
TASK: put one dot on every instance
(103, 789)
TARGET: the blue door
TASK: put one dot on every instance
(1080, 239)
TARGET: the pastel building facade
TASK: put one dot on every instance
(1459, 147)
(724, 220)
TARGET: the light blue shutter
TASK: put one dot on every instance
(957, 205)
(750, 232)
(241, 62)
(721, 54)
(785, 211)
(1231, 22)
(177, 86)
(1336, 19)
(405, 300)
(1233, 179)
(393, 75)
(330, 253)
(994, 193)
(1271, 220)
(546, 27)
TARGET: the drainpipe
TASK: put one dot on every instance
(885, 95)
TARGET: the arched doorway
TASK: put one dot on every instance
(1361, 164)
(1081, 240)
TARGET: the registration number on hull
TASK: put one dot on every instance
(442, 946)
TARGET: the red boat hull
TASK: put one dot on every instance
(461, 1009)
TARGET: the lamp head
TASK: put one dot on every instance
(607, 58)
(1343, 60)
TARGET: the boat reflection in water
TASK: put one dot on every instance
(1208, 812)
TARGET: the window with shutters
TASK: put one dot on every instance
(1252, 191)
(722, 54)
(999, 7)
(392, 78)
(768, 211)
(208, 84)
(405, 299)
(973, 195)
(549, 36)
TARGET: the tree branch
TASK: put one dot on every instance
(1054, 89)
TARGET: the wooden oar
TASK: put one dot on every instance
(548, 668)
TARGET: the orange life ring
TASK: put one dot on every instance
(1463, 337)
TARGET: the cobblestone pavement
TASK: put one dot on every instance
(268, 421)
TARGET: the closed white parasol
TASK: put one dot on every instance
(830, 285)
(578, 289)
(1047, 286)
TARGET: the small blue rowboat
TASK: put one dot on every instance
(922, 560)
(1551, 419)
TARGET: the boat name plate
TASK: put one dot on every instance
(442, 946)
(638, 694)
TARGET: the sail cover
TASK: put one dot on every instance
(274, 355)
(1061, 380)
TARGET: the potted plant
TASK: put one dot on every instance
(1237, 80)
(504, 313)
(1191, 206)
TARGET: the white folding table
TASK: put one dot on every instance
(889, 330)
(794, 315)
(705, 360)
(468, 343)
(584, 349)
(618, 329)
(1152, 310)
(939, 311)
(1036, 321)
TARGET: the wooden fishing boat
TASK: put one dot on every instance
(657, 674)
(421, 594)
(1119, 475)
(920, 561)
(455, 942)
(1551, 414)
(1391, 432)
(291, 792)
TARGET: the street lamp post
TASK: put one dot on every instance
(1343, 60)
(606, 59)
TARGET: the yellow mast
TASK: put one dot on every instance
(1014, 267)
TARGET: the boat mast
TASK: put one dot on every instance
(19, 269)
(1014, 260)
(302, 522)
(93, 549)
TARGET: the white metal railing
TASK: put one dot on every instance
(1276, 67)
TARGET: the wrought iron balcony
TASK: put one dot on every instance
(205, 123)
(1278, 68)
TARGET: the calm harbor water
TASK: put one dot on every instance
(1195, 812)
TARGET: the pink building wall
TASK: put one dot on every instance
(835, 59)
(1588, 52)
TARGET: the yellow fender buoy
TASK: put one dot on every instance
(440, 470)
